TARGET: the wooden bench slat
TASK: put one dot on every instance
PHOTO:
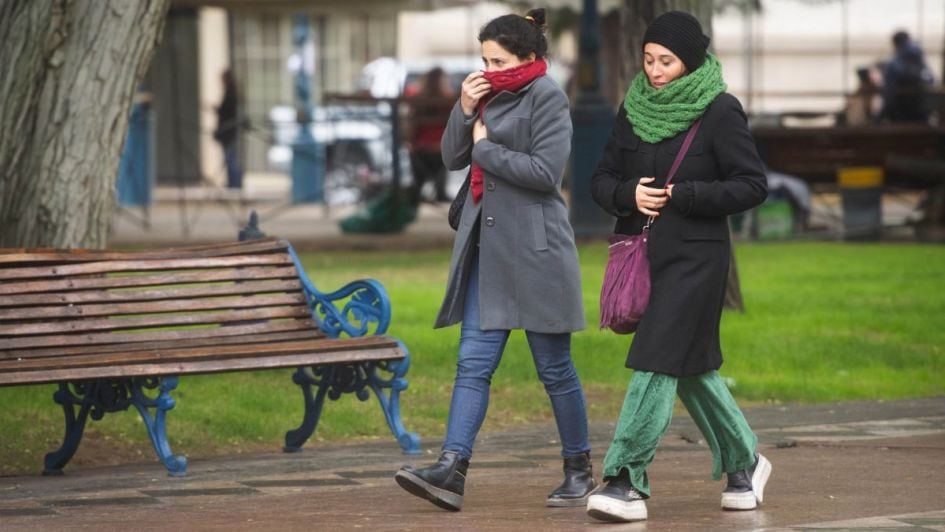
(124, 266)
(164, 306)
(66, 340)
(41, 255)
(204, 366)
(254, 338)
(141, 322)
(151, 294)
(166, 356)
(129, 281)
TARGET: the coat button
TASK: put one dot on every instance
(490, 221)
(490, 185)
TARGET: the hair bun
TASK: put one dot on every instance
(536, 17)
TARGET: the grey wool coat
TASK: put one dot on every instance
(688, 247)
(528, 263)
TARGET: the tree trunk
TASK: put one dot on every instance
(635, 16)
(71, 70)
(733, 288)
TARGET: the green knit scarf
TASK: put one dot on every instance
(661, 114)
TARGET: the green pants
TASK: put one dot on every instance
(648, 409)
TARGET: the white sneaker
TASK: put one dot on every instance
(746, 488)
(618, 502)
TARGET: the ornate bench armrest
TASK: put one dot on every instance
(367, 306)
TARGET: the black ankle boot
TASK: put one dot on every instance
(442, 483)
(578, 483)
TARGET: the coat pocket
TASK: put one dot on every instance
(513, 132)
(537, 220)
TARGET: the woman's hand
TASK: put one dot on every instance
(475, 86)
(479, 131)
(650, 200)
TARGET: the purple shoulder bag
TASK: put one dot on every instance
(626, 289)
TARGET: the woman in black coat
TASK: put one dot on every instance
(676, 346)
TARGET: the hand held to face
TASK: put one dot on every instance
(474, 87)
(650, 200)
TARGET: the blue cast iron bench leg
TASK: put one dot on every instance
(81, 400)
(368, 307)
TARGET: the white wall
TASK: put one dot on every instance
(444, 32)
(798, 47)
(214, 52)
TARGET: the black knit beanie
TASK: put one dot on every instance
(681, 33)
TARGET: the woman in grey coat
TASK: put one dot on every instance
(514, 262)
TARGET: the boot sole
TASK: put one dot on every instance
(614, 511)
(423, 489)
(566, 503)
(760, 477)
(559, 502)
(739, 501)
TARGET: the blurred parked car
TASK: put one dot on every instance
(357, 143)
(356, 136)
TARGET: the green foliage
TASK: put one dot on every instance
(823, 322)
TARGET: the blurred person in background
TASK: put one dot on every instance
(865, 103)
(227, 131)
(430, 103)
(906, 82)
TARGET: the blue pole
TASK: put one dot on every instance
(593, 119)
(307, 160)
(134, 171)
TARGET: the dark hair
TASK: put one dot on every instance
(432, 82)
(518, 35)
(863, 75)
(900, 38)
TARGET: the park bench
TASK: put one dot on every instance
(116, 329)
(814, 154)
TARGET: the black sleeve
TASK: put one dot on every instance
(742, 183)
(613, 192)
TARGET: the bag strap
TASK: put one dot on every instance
(687, 142)
(682, 151)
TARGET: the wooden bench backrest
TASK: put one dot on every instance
(62, 302)
(815, 154)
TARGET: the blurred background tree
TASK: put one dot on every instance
(71, 68)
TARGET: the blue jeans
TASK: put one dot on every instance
(234, 172)
(479, 355)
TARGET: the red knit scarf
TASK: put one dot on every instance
(512, 80)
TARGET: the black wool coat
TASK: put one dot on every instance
(689, 242)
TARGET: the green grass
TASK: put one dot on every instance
(824, 322)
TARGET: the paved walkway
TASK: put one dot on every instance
(851, 466)
(210, 216)
(202, 215)
(862, 465)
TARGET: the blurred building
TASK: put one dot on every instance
(202, 38)
(802, 56)
(793, 55)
